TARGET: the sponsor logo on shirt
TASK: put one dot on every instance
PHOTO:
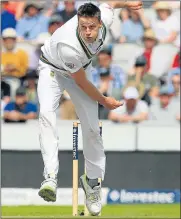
(52, 74)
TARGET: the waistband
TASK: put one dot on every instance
(45, 60)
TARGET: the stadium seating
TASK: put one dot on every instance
(125, 54)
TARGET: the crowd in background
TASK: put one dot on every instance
(147, 96)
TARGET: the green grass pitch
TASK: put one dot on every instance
(110, 211)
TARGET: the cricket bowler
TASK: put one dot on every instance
(65, 64)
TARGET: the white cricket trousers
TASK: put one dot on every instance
(50, 89)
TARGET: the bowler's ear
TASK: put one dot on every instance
(100, 24)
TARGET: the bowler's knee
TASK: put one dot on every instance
(93, 132)
(47, 118)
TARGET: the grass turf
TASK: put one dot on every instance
(109, 211)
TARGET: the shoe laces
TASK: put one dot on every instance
(94, 197)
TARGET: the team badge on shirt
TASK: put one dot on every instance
(70, 65)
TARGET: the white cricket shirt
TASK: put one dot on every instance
(68, 51)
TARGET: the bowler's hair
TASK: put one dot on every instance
(89, 10)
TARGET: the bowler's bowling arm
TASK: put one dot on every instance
(133, 5)
(82, 81)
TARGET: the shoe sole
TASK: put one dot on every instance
(47, 194)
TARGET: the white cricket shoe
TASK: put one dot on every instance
(93, 196)
(48, 189)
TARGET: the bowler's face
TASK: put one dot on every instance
(89, 28)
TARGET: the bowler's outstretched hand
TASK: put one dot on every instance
(111, 103)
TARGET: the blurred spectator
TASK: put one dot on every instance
(30, 84)
(176, 61)
(140, 88)
(21, 110)
(173, 73)
(79, 3)
(14, 61)
(16, 8)
(109, 77)
(55, 22)
(133, 28)
(32, 23)
(166, 26)
(150, 86)
(165, 109)
(150, 42)
(5, 95)
(133, 110)
(61, 5)
(172, 4)
(148, 4)
(5, 91)
(176, 87)
(68, 12)
(104, 87)
(7, 19)
(124, 15)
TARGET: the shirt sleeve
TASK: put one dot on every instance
(70, 58)
(107, 14)
(143, 107)
(175, 24)
(9, 107)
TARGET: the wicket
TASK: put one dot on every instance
(75, 170)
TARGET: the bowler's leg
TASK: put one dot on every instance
(87, 111)
(49, 93)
